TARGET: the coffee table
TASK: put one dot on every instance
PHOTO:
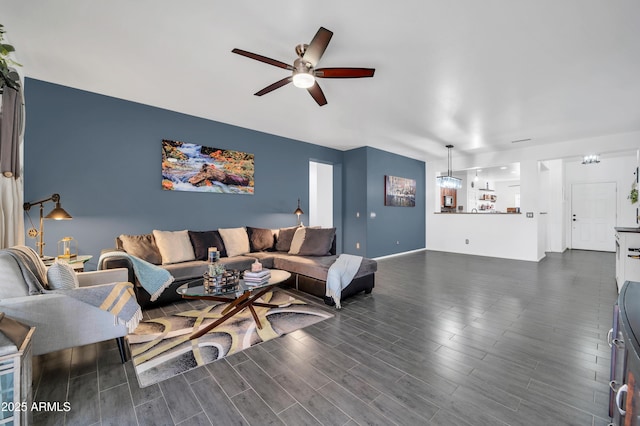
(245, 296)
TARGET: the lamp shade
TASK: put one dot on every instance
(298, 210)
(450, 182)
(58, 213)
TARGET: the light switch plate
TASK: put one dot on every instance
(529, 215)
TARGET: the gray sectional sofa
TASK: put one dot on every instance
(307, 258)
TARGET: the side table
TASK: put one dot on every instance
(77, 263)
(15, 372)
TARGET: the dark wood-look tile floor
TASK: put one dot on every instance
(444, 339)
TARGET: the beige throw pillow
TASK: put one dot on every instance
(236, 241)
(298, 239)
(174, 246)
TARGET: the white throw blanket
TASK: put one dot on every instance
(340, 275)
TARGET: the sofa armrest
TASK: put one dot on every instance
(115, 262)
(103, 277)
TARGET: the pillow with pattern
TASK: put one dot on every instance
(61, 276)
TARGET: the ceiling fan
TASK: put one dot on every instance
(304, 71)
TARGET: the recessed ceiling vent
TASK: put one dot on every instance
(521, 140)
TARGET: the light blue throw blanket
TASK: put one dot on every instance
(340, 275)
(152, 278)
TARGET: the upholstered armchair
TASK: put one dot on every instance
(62, 320)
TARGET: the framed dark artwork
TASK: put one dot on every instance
(198, 168)
(399, 192)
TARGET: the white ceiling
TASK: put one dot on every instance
(477, 74)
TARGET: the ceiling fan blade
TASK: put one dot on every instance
(263, 59)
(344, 72)
(274, 86)
(317, 94)
(318, 45)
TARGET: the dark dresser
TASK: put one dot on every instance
(624, 340)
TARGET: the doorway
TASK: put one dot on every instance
(320, 194)
(593, 216)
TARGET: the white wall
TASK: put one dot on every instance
(506, 194)
(516, 236)
(554, 203)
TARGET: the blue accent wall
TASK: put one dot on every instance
(103, 156)
(355, 201)
(380, 230)
(393, 229)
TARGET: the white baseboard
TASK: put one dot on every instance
(400, 254)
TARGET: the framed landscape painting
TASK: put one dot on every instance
(399, 192)
(198, 168)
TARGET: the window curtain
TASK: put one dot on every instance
(11, 183)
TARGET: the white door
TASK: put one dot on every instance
(593, 216)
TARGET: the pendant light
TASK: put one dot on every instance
(449, 181)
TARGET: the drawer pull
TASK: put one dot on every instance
(623, 389)
(612, 385)
(610, 337)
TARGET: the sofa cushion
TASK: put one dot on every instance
(61, 276)
(285, 236)
(174, 246)
(202, 240)
(314, 267)
(240, 263)
(317, 242)
(141, 246)
(187, 270)
(261, 239)
(236, 241)
(318, 266)
(264, 257)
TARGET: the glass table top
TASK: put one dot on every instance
(196, 287)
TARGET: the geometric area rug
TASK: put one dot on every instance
(160, 348)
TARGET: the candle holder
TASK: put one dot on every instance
(67, 248)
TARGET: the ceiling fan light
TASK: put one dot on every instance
(303, 80)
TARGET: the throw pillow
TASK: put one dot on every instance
(261, 239)
(317, 242)
(285, 235)
(202, 240)
(298, 239)
(174, 246)
(236, 241)
(142, 246)
(61, 276)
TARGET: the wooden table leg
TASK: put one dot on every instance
(255, 317)
(265, 305)
(236, 302)
(216, 323)
(244, 301)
